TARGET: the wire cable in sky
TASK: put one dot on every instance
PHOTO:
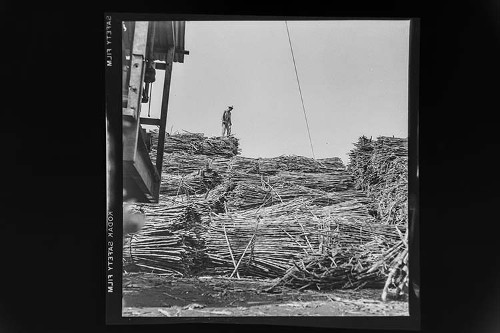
(300, 90)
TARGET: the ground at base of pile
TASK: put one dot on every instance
(152, 295)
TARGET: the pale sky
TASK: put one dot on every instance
(353, 75)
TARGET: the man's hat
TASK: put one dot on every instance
(230, 106)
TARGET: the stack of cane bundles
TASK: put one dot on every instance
(380, 168)
(307, 222)
(170, 241)
(197, 144)
(270, 241)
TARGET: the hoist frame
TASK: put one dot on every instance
(141, 179)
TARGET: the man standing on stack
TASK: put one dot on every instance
(226, 121)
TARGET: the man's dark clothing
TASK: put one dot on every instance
(226, 122)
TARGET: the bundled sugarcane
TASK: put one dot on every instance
(332, 182)
(194, 183)
(268, 217)
(246, 195)
(250, 189)
(179, 185)
(197, 144)
(188, 152)
(259, 242)
(266, 241)
(274, 165)
(353, 254)
(380, 168)
(183, 163)
(170, 242)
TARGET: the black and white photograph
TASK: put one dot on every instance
(266, 168)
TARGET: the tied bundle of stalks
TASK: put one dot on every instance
(258, 242)
(197, 144)
(181, 164)
(380, 168)
(267, 240)
(245, 191)
(182, 185)
(184, 163)
(275, 165)
(180, 159)
(171, 240)
(333, 182)
(247, 195)
(191, 184)
(308, 165)
(353, 210)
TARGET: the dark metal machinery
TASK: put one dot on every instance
(157, 45)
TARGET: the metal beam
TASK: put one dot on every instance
(164, 109)
(135, 90)
(137, 68)
(160, 65)
(150, 121)
(151, 39)
(163, 66)
(143, 121)
(140, 172)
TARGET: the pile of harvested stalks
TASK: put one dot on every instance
(182, 163)
(355, 255)
(380, 168)
(195, 183)
(267, 241)
(246, 196)
(340, 270)
(292, 163)
(170, 241)
(189, 152)
(197, 144)
(308, 222)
